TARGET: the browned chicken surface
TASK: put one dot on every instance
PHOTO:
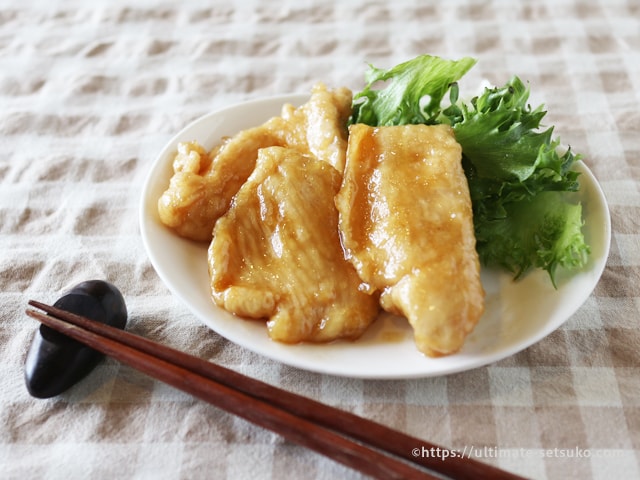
(204, 183)
(276, 253)
(406, 225)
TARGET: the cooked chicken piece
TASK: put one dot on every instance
(406, 225)
(276, 253)
(203, 184)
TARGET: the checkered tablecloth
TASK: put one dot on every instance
(91, 91)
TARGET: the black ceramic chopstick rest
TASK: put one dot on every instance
(55, 362)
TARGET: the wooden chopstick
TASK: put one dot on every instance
(332, 432)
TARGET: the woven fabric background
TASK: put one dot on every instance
(91, 91)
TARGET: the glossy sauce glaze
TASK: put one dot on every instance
(406, 225)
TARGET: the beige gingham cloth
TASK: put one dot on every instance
(91, 91)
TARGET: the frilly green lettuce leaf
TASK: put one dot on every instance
(542, 231)
(410, 84)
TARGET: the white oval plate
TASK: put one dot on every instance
(518, 314)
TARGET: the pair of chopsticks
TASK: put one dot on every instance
(356, 442)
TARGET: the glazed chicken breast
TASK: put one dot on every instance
(276, 253)
(204, 182)
(406, 224)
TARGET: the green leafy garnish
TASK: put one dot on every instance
(522, 186)
(410, 84)
(543, 231)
